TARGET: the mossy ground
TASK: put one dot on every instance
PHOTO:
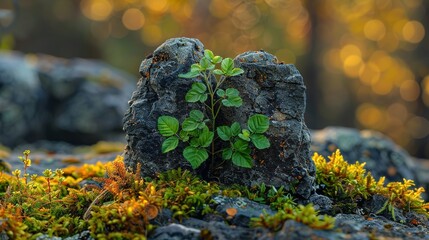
(114, 203)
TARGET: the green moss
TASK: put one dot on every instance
(56, 204)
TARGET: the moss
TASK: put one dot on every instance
(350, 183)
(118, 204)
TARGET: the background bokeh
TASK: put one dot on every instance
(365, 62)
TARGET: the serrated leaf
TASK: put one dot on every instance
(169, 144)
(208, 54)
(235, 129)
(195, 156)
(227, 153)
(260, 141)
(199, 87)
(191, 74)
(234, 101)
(227, 65)
(220, 92)
(224, 132)
(242, 159)
(196, 115)
(258, 123)
(192, 96)
(167, 126)
(240, 146)
(189, 124)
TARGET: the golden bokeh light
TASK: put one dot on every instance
(157, 6)
(410, 90)
(369, 73)
(374, 30)
(133, 19)
(413, 32)
(151, 34)
(370, 116)
(352, 65)
(97, 10)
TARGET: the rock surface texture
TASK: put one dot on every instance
(159, 92)
(267, 87)
(276, 90)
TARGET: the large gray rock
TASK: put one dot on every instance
(276, 90)
(21, 101)
(75, 100)
(160, 92)
(382, 156)
(267, 87)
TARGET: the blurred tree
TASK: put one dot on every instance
(364, 61)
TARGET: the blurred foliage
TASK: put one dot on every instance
(364, 61)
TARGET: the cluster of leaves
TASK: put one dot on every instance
(343, 181)
(199, 130)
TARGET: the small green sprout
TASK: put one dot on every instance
(199, 131)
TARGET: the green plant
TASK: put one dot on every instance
(199, 131)
(304, 214)
(349, 183)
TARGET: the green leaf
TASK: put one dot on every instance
(189, 124)
(196, 67)
(196, 115)
(236, 71)
(227, 153)
(201, 125)
(227, 65)
(194, 142)
(232, 92)
(195, 156)
(205, 138)
(260, 141)
(190, 74)
(241, 146)
(184, 136)
(235, 129)
(234, 101)
(242, 159)
(258, 123)
(206, 64)
(192, 96)
(217, 59)
(203, 97)
(224, 132)
(199, 87)
(220, 92)
(208, 54)
(168, 126)
(245, 135)
(218, 72)
(169, 144)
